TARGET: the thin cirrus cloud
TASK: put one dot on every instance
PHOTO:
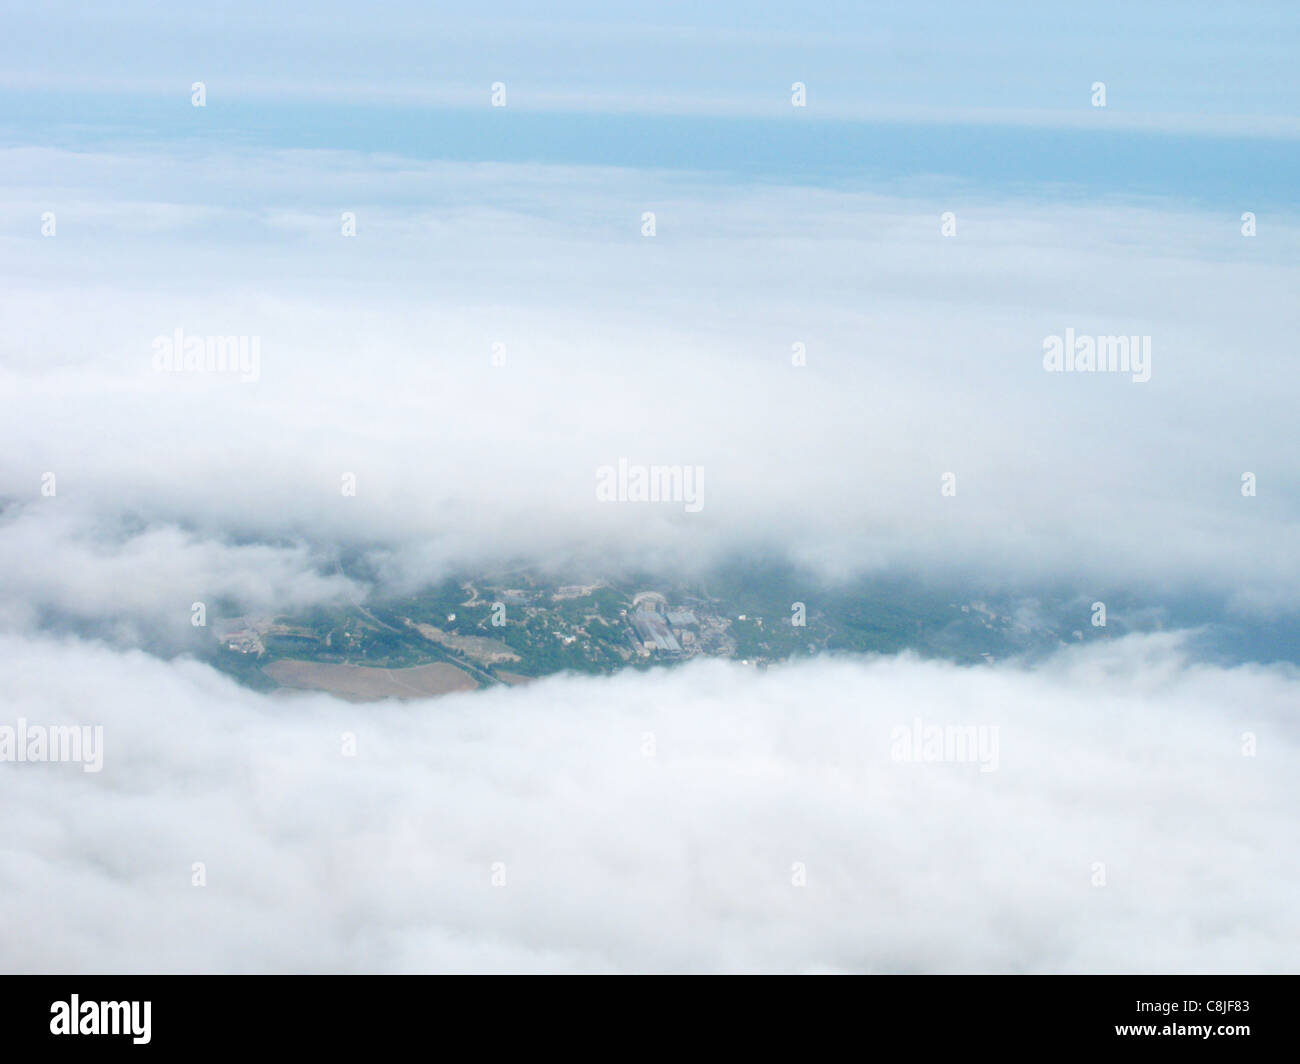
(1230, 72)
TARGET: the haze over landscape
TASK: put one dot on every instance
(456, 698)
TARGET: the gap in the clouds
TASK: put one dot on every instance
(380, 621)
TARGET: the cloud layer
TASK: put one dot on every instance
(654, 822)
(1015, 63)
(924, 357)
(650, 821)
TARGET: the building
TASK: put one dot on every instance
(653, 630)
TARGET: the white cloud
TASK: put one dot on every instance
(1123, 759)
(924, 357)
(144, 581)
(682, 861)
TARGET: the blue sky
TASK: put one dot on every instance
(1203, 100)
